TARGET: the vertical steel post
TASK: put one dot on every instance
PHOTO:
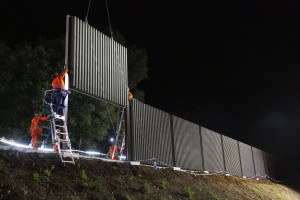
(66, 76)
(238, 143)
(201, 145)
(172, 141)
(223, 154)
(253, 162)
(127, 132)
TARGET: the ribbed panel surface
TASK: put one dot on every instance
(232, 157)
(259, 162)
(212, 150)
(269, 164)
(151, 133)
(187, 144)
(98, 64)
(247, 160)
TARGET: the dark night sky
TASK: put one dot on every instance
(229, 66)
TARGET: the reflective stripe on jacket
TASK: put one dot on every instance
(58, 82)
(35, 124)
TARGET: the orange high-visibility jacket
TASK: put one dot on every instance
(130, 95)
(36, 125)
(58, 82)
(111, 151)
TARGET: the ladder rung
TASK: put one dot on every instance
(67, 161)
(60, 126)
(62, 133)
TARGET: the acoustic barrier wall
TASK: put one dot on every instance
(98, 64)
(151, 133)
(247, 162)
(231, 156)
(178, 142)
(187, 144)
(269, 164)
(259, 162)
(212, 151)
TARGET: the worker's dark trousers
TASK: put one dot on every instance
(58, 102)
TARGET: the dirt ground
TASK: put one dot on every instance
(43, 176)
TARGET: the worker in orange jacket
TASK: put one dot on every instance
(130, 96)
(36, 128)
(58, 85)
(111, 151)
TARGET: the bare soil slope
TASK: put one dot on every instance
(43, 176)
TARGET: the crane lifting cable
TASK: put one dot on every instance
(87, 13)
(111, 32)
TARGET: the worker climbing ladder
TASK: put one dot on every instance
(58, 129)
(118, 153)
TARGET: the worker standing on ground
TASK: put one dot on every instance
(36, 128)
(111, 154)
(58, 86)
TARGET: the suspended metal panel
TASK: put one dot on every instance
(187, 144)
(150, 133)
(247, 160)
(259, 163)
(232, 156)
(98, 64)
(212, 151)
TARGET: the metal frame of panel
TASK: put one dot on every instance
(231, 156)
(212, 150)
(99, 64)
(259, 163)
(150, 134)
(187, 144)
(246, 160)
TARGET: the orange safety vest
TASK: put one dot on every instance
(130, 95)
(35, 127)
(58, 82)
(111, 151)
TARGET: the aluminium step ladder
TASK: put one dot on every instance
(120, 137)
(60, 137)
(59, 130)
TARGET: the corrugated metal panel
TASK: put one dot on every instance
(212, 150)
(269, 164)
(259, 162)
(150, 133)
(187, 144)
(232, 156)
(246, 160)
(99, 64)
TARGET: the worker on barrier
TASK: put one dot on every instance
(59, 88)
(36, 128)
(130, 96)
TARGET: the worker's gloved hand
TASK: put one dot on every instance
(65, 66)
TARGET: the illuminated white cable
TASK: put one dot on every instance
(14, 144)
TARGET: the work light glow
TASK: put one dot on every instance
(92, 152)
(14, 144)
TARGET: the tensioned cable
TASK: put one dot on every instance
(87, 13)
(111, 32)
